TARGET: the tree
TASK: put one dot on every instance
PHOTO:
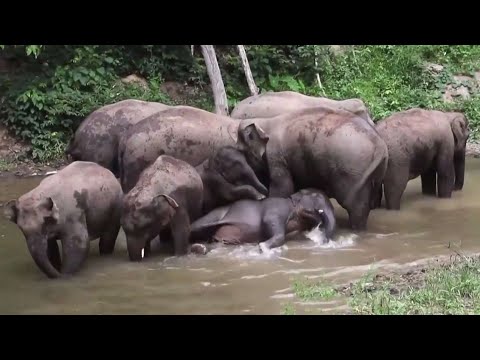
(248, 73)
(218, 88)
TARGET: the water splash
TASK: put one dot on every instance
(247, 251)
(318, 237)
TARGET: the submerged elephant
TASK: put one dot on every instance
(271, 104)
(170, 194)
(328, 149)
(188, 134)
(96, 139)
(268, 221)
(78, 204)
(426, 143)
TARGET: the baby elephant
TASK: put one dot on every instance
(170, 194)
(267, 221)
(78, 204)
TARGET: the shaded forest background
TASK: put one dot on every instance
(46, 91)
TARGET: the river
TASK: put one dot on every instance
(239, 280)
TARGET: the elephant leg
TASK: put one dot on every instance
(281, 181)
(429, 182)
(147, 249)
(109, 237)
(180, 226)
(376, 198)
(394, 185)
(54, 254)
(212, 217)
(446, 174)
(459, 162)
(272, 228)
(359, 210)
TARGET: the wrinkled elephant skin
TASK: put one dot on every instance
(97, 137)
(426, 143)
(78, 204)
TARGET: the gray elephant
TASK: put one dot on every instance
(188, 134)
(96, 139)
(426, 143)
(170, 194)
(78, 204)
(271, 104)
(268, 221)
(328, 149)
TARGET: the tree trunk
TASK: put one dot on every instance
(317, 75)
(248, 73)
(219, 94)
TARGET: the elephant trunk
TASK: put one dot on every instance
(74, 253)
(459, 163)
(38, 247)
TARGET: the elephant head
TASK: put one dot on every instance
(231, 178)
(461, 133)
(252, 141)
(313, 209)
(39, 220)
(143, 218)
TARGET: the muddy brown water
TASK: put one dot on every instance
(239, 280)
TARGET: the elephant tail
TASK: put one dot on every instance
(374, 173)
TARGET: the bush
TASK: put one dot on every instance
(58, 86)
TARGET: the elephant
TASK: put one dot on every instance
(332, 150)
(271, 104)
(188, 134)
(170, 193)
(426, 143)
(97, 137)
(227, 177)
(268, 221)
(78, 204)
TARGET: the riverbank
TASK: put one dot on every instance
(17, 164)
(446, 285)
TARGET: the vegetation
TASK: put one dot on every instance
(53, 87)
(447, 288)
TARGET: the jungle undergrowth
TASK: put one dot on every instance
(55, 87)
(450, 287)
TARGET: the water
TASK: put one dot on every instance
(239, 280)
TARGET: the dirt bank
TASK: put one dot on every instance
(15, 159)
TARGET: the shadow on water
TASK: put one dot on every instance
(237, 280)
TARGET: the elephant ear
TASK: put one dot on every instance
(171, 201)
(459, 129)
(52, 214)
(10, 211)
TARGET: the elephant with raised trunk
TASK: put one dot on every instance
(188, 134)
(426, 143)
(78, 204)
(271, 104)
(96, 139)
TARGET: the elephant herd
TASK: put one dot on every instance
(191, 177)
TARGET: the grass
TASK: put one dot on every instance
(451, 287)
(5, 165)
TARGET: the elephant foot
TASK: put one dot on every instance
(199, 249)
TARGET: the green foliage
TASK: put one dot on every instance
(318, 291)
(449, 289)
(55, 87)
